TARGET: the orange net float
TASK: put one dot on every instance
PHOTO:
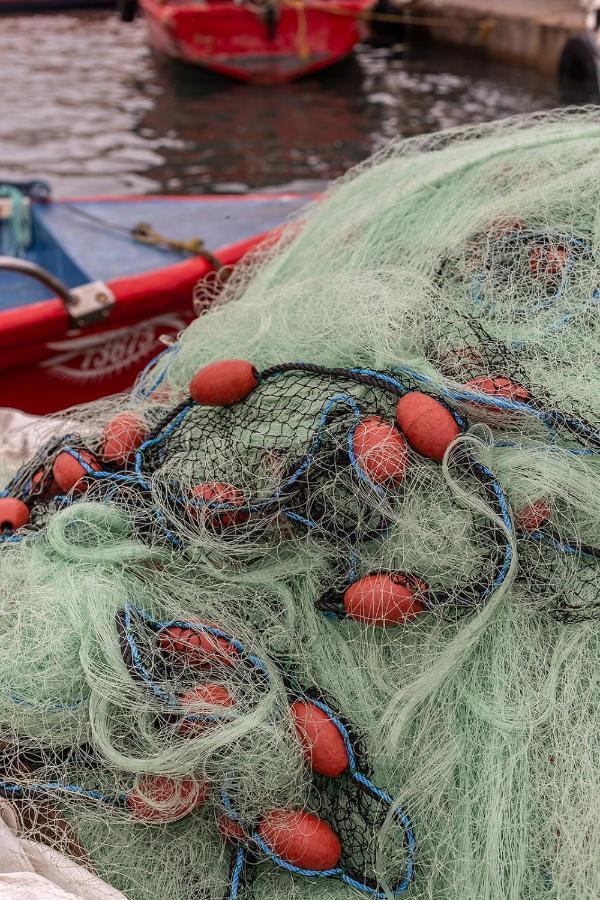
(122, 436)
(385, 599)
(166, 396)
(43, 484)
(500, 386)
(548, 260)
(506, 227)
(230, 831)
(161, 800)
(533, 516)
(14, 514)
(68, 472)
(428, 425)
(224, 382)
(210, 694)
(380, 450)
(301, 839)
(217, 492)
(198, 649)
(452, 361)
(297, 840)
(321, 740)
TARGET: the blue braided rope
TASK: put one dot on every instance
(144, 390)
(251, 658)
(508, 522)
(56, 787)
(300, 520)
(158, 439)
(169, 699)
(381, 795)
(54, 707)
(136, 658)
(302, 468)
(560, 546)
(236, 874)
(97, 473)
(361, 779)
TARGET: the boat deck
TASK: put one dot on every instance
(87, 240)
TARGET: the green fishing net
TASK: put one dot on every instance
(321, 620)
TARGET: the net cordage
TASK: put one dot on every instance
(162, 621)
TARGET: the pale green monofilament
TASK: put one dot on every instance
(468, 255)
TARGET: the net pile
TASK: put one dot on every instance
(321, 619)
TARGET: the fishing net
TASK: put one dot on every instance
(313, 610)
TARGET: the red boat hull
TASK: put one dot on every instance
(237, 41)
(48, 364)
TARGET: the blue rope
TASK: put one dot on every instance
(300, 520)
(140, 387)
(387, 382)
(560, 546)
(548, 419)
(55, 707)
(238, 868)
(55, 786)
(160, 693)
(303, 466)
(361, 779)
(508, 522)
(138, 665)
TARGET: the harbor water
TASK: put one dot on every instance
(88, 106)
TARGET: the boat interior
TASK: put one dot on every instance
(89, 239)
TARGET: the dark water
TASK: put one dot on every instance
(85, 104)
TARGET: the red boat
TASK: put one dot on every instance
(83, 309)
(265, 43)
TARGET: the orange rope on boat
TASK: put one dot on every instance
(303, 49)
(302, 41)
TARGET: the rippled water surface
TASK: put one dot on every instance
(85, 104)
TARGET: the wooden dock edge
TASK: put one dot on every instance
(526, 33)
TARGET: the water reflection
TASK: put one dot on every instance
(88, 106)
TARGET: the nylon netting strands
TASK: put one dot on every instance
(354, 606)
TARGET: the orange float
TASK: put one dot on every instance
(158, 799)
(219, 492)
(380, 450)
(385, 599)
(223, 383)
(14, 514)
(427, 425)
(123, 435)
(69, 474)
(212, 695)
(301, 839)
(198, 649)
(533, 516)
(321, 740)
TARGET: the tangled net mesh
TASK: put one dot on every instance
(164, 620)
